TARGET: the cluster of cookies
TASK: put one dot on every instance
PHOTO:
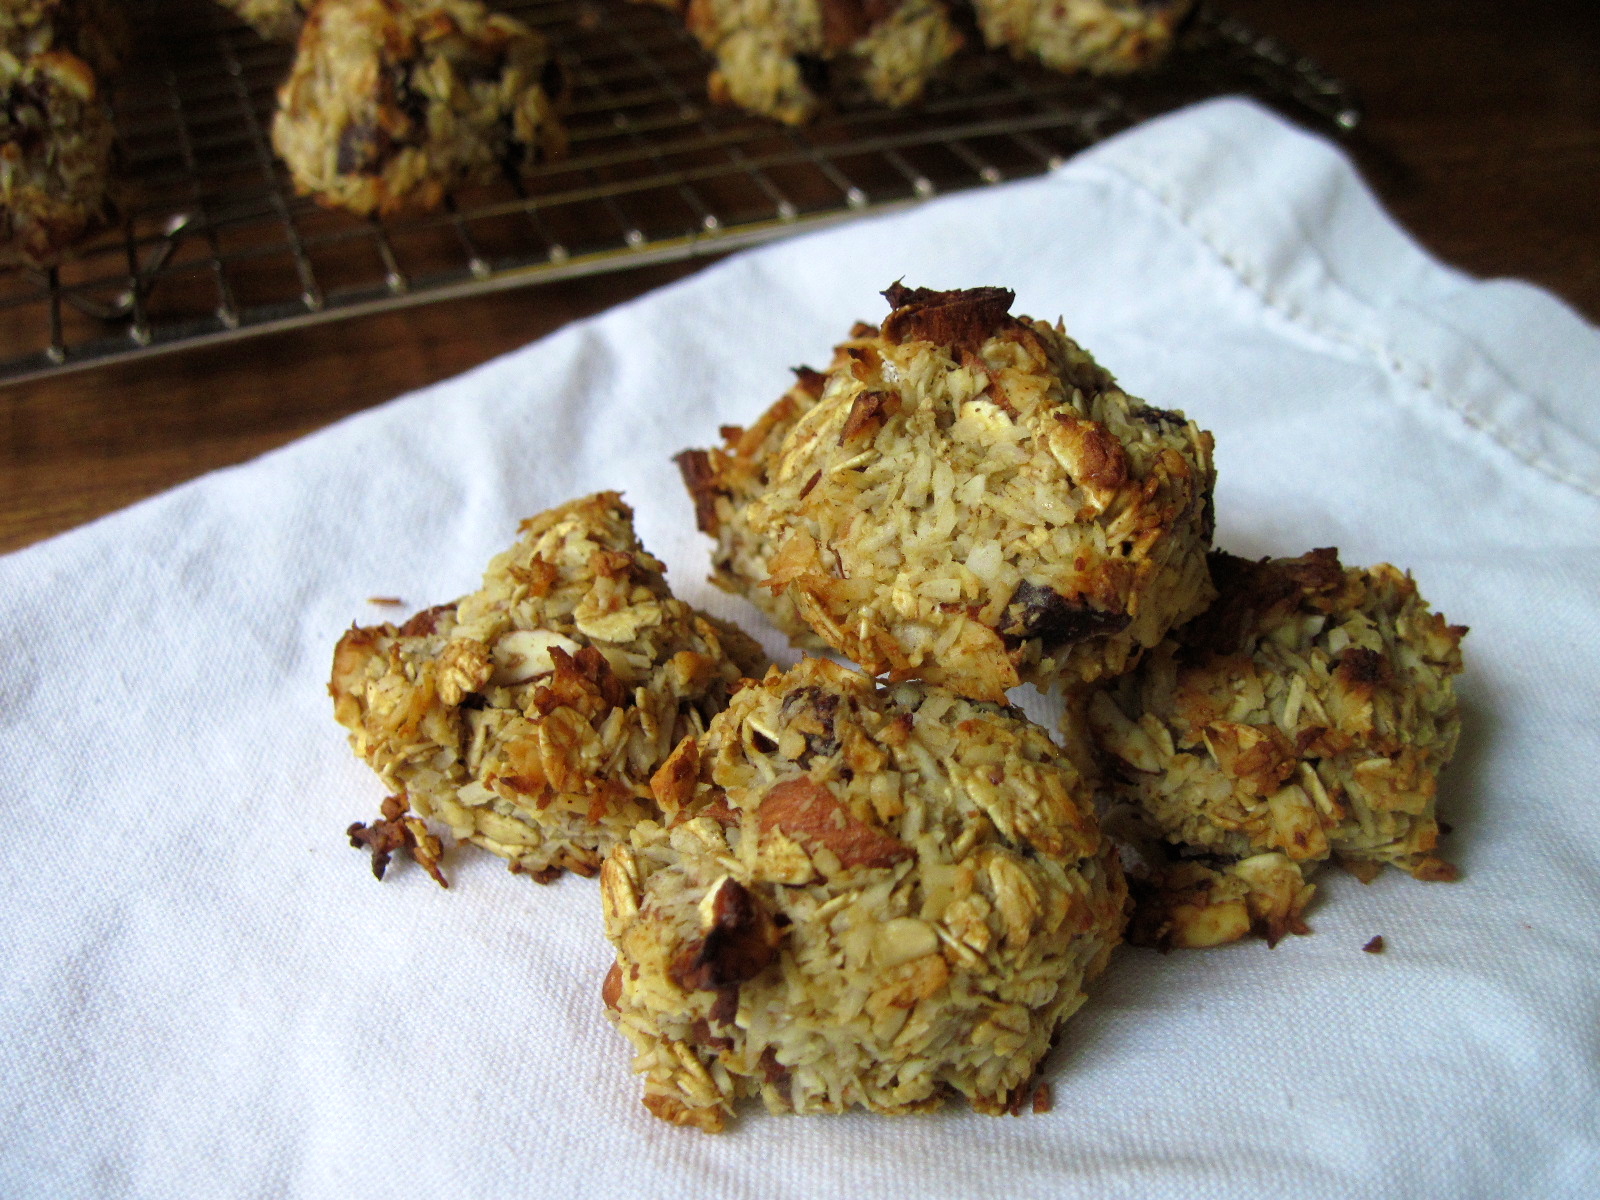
(56, 135)
(392, 104)
(968, 498)
(884, 886)
(788, 58)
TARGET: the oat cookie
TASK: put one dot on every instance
(1102, 37)
(56, 143)
(529, 716)
(859, 896)
(393, 103)
(1305, 717)
(965, 497)
(786, 58)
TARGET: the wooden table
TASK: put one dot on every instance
(1482, 136)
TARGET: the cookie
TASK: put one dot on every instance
(858, 897)
(56, 149)
(529, 716)
(1305, 717)
(965, 497)
(1101, 37)
(391, 104)
(787, 58)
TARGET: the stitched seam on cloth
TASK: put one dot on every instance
(1418, 378)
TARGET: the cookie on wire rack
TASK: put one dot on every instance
(860, 897)
(57, 139)
(1305, 717)
(529, 716)
(1100, 37)
(56, 154)
(964, 497)
(392, 104)
(786, 59)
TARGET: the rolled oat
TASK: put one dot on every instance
(529, 716)
(1305, 717)
(857, 897)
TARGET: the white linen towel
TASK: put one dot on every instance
(205, 993)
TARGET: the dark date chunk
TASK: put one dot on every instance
(1362, 668)
(1157, 418)
(809, 380)
(1254, 595)
(812, 711)
(742, 940)
(847, 21)
(476, 64)
(409, 100)
(1037, 611)
(362, 147)
(814, 73)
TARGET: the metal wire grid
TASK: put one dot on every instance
(214, 243)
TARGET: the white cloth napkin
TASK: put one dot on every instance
(205, 993)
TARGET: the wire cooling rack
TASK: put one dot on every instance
(214, 243)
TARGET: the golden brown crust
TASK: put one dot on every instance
(724, 481)
(874, 897)
(1305, 717)
(531, 716)
(967, 498)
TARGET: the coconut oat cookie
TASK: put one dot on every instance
(860, 896)
(966, 497)
(56, 142)
(1305, 716)
(1102, 37)
(529, 716)
(393, 103)
(56, 135)
(786, 58)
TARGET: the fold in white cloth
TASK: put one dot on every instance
(205, 993)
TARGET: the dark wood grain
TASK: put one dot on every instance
(82, 445)
(1482, 137)
(1482, 130)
